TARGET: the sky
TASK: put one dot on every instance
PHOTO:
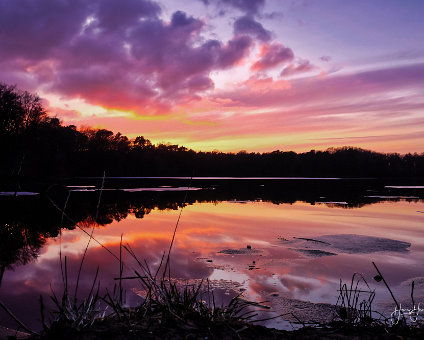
(228, 75)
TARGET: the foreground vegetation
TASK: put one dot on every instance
(170, 311)
(34, 144)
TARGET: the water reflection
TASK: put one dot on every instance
(238, 241)
(25, 225)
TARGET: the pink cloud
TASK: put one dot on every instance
(63, 114)
(330, 90)
(303, 66)
(272, 55)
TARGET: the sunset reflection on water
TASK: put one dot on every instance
(271, 269)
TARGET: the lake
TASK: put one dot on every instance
(282, 242)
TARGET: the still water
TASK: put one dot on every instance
(283, 243)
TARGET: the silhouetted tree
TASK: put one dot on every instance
(33, 144)
(19, 111)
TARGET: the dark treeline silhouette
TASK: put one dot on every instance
(32, 144)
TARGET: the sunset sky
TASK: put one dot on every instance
(257, 75)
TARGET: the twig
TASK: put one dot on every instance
(91, 236)
(18, 187)
(121, 269)
(64, 208)
(167, 263)
(311, 239)
(391, 293)
(60, 234)
(20, 323)
(81, 228)
(100, 195)
(81, 263)
(127, 278)
(43, 322)
(412, 294)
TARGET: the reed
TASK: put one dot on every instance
(191, 306)
(355, 301)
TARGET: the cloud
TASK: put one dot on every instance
(150, 64)
(385, 103)
(235, 51)
(247, 6)
(272, 55)
(32, 29)
(248, 25)
(337, 88)
(117, 56)
(114, 14)
(303, 66)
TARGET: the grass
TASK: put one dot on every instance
(355, 311)
(355, 301)
(167, 303)
(173, 311)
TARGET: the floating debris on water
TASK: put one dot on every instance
(18, 193)
(311, 239)
(281, 238)
(349, 244)
(81, 186)
(162, 189)
(334, 203)
(404, 186)
(241, 251)
(300, 311)
(253, 265)
(315, 252)
(393, 197)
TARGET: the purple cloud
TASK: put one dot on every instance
(32, 29)
(273, 55)
(114, 14)
(234, 51)
(248, 6)
(303, 66)
(326, 58)
(248, 25)
(119, 56)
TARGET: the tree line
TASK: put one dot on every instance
(32, 144)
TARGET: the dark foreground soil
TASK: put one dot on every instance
(125, 330)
